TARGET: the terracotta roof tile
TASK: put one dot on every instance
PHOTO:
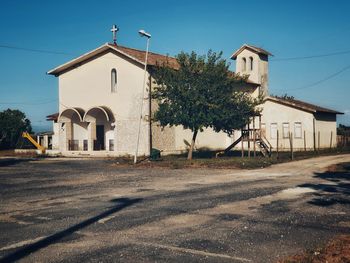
(153, 58)
(252, 48)
(303, 105)
(52, 117)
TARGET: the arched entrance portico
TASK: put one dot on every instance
(100, 129)
(73, 130)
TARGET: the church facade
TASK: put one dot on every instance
(101, 96)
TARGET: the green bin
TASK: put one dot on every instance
(155, 154)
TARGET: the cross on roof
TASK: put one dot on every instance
(114, 31)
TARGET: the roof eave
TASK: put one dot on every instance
(236, 53)
(58, 70)
(304, 108)
(66, 65)
(331, 111)
(291, 104)
(244, 46)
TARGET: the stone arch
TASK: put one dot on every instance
(67, 114)
(251, 63)
(244, 64)
(93, 111)
(101, 132)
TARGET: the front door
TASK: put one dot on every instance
(100, 137)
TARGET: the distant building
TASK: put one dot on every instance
(100, 96)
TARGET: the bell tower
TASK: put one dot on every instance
(253, 61)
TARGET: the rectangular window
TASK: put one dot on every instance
(297, 130)
(114, 80)
(273, 131)
(285, 130)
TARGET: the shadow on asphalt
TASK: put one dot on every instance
(12, 161)
(335, 190)
(21, 253)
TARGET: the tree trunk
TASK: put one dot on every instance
(189, 157)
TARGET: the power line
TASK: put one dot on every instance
(35, 50)
(28, 103)
(313, 56)
(273, 59)
(322, 80)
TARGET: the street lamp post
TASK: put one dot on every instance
(148, 36)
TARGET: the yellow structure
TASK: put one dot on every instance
(30, 138)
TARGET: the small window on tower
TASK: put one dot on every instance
(114, 79)
(251, 63)
(244, 64)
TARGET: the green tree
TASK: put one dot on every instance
(201, 93)
(12, 124)
(343, 130)
(284, 97)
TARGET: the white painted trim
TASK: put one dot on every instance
(73, 109)
(56, 71)
(97, 107)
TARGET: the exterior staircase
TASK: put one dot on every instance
(251, 136)
(264, 145)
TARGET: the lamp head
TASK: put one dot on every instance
(143, 33)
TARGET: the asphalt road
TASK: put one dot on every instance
(85, 210)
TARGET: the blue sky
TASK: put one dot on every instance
(287, 29)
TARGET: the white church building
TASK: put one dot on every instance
(100, 96)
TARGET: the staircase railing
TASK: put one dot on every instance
(263, 142)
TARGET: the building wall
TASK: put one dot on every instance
(326, 130)
(55, 136)
(89, 85)
(259, 74)
(163, 138)
(275, 113)
(208, 139)
(318, 130)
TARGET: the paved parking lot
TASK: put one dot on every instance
(87, 210)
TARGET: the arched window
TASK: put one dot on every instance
(251, 63)
(114, 81)
(244, 64)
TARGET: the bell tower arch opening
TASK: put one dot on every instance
(253, 61)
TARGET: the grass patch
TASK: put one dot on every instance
(206, 159)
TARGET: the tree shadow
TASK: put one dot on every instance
(12, 161)
(335, 189)
(21, 253)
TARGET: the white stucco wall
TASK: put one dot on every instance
(207, 139)
(279, 114)
(259, 74)
(55, 136)
(326, 130)
(89, 85)
(325, 125)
